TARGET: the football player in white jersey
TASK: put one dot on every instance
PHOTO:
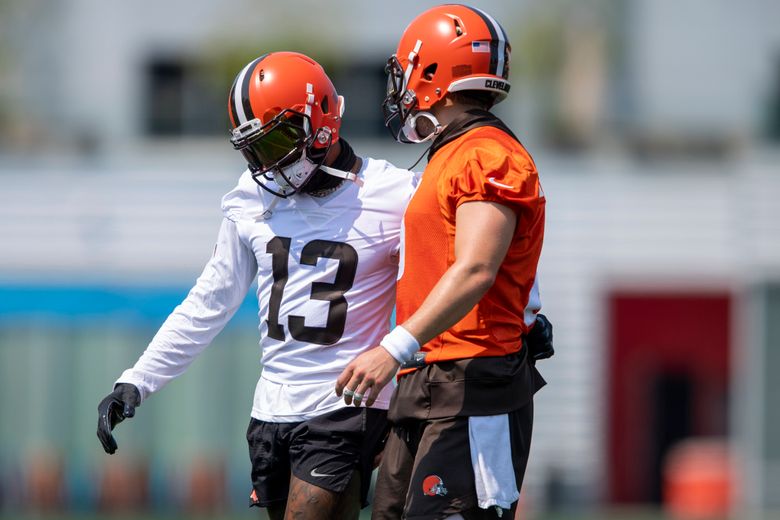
(319, 228)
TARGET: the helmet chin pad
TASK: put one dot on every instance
(293, 177)
(423, 121)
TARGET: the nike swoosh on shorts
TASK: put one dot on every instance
(314, 473)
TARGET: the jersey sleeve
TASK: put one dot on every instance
(191, 327)
(493, 173)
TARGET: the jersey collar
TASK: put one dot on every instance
(469, 120)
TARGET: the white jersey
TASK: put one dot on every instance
(326, 271)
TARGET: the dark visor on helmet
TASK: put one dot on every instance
(278, 142)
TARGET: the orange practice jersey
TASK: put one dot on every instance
(484, 164)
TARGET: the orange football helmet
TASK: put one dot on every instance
(285, 114)
(448, 48)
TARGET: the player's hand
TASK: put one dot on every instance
(366, 376)
(540, 339)
(113, 409)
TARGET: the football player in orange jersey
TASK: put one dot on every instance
(468, 296)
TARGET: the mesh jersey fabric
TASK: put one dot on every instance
(484, 164)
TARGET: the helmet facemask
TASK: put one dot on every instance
(399, 108)
(282, 150)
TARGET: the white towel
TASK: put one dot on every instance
(491, 458)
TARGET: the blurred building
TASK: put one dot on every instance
(654, 125)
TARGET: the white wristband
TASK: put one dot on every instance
(400, 344)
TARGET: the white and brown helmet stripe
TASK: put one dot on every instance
(240, 109)
(499, 49)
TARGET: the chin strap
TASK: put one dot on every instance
(341, 174)
(269, 211)
(344, 162)
(340, 168)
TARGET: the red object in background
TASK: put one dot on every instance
(699, 480)
(668, 380)
(206, 484)
(44, 482)
(123, 484)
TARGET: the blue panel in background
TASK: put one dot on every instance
(88, 302)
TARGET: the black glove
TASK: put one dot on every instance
(113, 409)
(540, 339)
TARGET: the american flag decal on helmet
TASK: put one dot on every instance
(497, 45)
(480, 47)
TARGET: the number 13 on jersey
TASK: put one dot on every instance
(279, 248)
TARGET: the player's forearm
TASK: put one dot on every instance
(175, 346)
(453, 296)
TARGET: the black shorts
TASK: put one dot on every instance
(323, 451)
(426, 470)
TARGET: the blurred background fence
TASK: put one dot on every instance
(654, 124)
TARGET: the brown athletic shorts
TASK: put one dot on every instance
(426, 470)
